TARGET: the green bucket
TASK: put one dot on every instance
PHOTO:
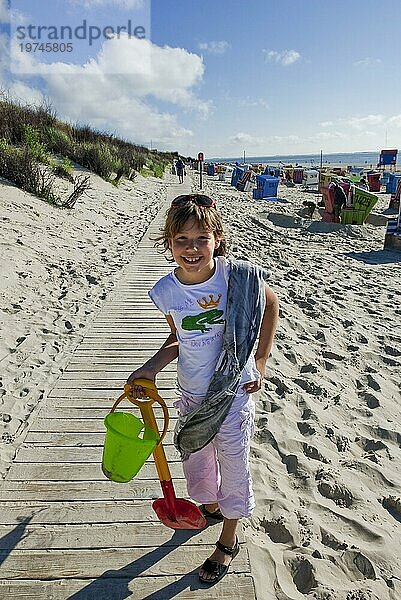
(124, 452)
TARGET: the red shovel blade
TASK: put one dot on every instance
(185, 514)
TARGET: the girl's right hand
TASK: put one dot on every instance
(140, 373)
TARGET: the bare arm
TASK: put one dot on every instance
(165, 355)
(266, 336)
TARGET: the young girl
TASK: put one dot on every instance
(215, 309)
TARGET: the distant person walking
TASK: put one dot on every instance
(180, 169)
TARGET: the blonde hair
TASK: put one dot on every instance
(207, 217)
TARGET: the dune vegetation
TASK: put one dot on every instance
(36, 148)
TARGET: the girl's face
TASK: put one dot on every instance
(192, 249)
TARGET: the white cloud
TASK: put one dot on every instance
(361, 123)
(245, 138)
(367, 62)
(326, 124)
(394, 121)
(125, 4)
(327, 136)
(140, 67)
(215, 47)
(121, 102)
(284, 58)
(4, 12)
(252, 102)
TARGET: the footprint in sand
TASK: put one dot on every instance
(292, 464)
(359, 564)
(303, 574)
(310, 387)
(393, 505)
(330, 541)
(277, 532)
(329, 488)
(309, 368)
(392, 351)
(313, 453)
(370, 399)
(305, 428)
(332, 355)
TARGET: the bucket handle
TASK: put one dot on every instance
(153, 395)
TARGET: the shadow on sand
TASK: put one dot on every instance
(376, 257)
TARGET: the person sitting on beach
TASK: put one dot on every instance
(311, 206)
(363, 184)
(203, 293)
(339, 201)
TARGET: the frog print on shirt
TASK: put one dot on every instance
(210, 317)
(194, 322)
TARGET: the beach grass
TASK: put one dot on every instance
(36, 146)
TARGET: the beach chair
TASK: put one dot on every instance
(392, 239)
(236, 175)
(310, 179)
(328, 200)
(395, 197)
(298, 175)
(211, 169)
(387, 158)
(362, 204)
(266, 187)
(242, 184)
(374, 182)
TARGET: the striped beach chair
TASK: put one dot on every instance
(395, 198)
(392, 239)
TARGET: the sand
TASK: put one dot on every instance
(327, 448)
(57, 266)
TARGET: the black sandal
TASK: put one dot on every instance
(212, 567)
(216, 514)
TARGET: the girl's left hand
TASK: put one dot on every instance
(252, 386)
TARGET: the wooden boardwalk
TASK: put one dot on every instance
(66, 532)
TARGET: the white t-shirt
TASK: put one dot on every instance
(198, 311)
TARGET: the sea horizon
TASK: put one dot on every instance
(366, 159)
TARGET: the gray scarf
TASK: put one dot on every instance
(244, 311)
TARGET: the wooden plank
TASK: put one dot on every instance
(77, 425)
(75, 439)
(106, 370)
(64, 412)
(142, 534)
(44, 512)
(187, 587)
(121, 345)
(168, 395)
(32, 453)
(91, 490)
(107, 392)
(66, 382)
(50, 412)
(166, 560)
(81, 471)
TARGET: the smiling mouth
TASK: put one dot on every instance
(193, 260)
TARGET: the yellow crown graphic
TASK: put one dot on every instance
(212, 302)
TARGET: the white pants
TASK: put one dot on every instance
(220, 471)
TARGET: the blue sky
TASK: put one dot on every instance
(264, 76)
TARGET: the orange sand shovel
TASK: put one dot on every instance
(173, 512)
